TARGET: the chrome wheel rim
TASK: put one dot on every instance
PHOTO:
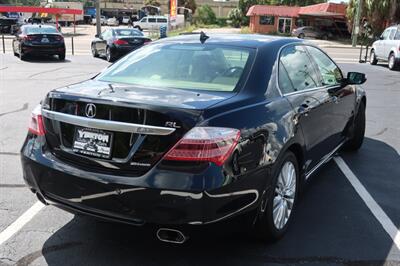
(93, 50)
(285, 193)
(108, 54)
(391, 61)
(372, 57)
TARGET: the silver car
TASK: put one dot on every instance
(387, 48)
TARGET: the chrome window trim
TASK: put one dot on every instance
(107, 124)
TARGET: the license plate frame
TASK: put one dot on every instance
(93, 142)
(45, 40)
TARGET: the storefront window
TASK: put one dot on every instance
(267, 20)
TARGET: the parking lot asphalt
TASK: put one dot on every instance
(333, 224)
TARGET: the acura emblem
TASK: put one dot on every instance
(90, 110)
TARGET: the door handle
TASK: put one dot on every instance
(304, 109)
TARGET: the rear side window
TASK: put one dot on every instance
(299, 69)
(397, 37)
(330, 72)
(162, 20)
(392, 33)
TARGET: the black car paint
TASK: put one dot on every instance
(36, 47)
(101, 43)
(181, 193)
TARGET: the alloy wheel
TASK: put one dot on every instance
(285, 193)
(391, 61)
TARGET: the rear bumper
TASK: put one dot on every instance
(43, 50)
(123, 50)
(159, 197)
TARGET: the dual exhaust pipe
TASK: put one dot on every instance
(171, 236)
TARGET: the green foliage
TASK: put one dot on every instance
(206, 15)
(235, 16)
(151, 3)
(191, 4)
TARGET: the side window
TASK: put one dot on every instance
(330, 72)
(162, 20)
(397, 37)
(385, 34)
(152, 20)
(299, 69)
(144, 20)
(267, 20)
(392, 33)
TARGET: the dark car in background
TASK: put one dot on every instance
(7, 25)
(115, 43)
(195, 130)
(311, 32)
(38, 40)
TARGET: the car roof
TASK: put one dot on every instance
(241, 40)
(37, 26)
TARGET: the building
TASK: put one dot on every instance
(283, 19)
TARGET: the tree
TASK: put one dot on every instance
(151, 3)
(235, 16)
(206, 15)
(191, 4)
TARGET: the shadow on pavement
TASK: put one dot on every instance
(44, 59)
(332, 226)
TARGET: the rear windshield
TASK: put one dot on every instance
(183, 66)
(128, 32)
(40, 30)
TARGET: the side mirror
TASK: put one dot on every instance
(381, 38)
(355, 78)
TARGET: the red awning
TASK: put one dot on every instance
(35, 9)
(280, 11)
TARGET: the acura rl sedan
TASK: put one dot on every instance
(38, 40)
(195, 130)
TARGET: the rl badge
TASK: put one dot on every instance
(92, 142)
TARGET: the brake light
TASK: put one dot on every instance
(36, 126)
(28, 38)
(59, 38)
(120, 42)
(212, 144)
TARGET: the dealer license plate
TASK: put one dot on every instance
(93, 142)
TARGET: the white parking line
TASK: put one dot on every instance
(20, 222)
(373, 206)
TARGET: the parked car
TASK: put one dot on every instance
(387, 48)
(151, 22)
(7, 24)
(115, 43)
(307, 32)
(112, 21)
(103, 20)
(125, 20)
(38, 40)
(44, 21)
(187, 131)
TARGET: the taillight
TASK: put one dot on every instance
(36, 126)
(28, 38)
(120, 42)
(59, 38)
(212, 144)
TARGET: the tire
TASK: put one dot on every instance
(109, 55)
(301, 36)
(372, 58)
(393, 65)
(267, 226)
(324, 37)
(94, 51)
(61, 57)
(357, 130)
(22, 57)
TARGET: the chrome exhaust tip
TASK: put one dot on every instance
(171, 236)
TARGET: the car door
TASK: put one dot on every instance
(390, 42)
(341, 99)
(300, 83)
(380, 44)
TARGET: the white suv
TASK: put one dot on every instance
(151, 22)
(387, 48)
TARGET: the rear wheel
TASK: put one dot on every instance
(392, 62)
(94, 51)
(109, 55)
(372, 58)
(301, 36)
(61, 56)
(22, 56)
(358, 130)
(275, 217)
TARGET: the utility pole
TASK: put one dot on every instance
(98, 22)
(356, 26)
